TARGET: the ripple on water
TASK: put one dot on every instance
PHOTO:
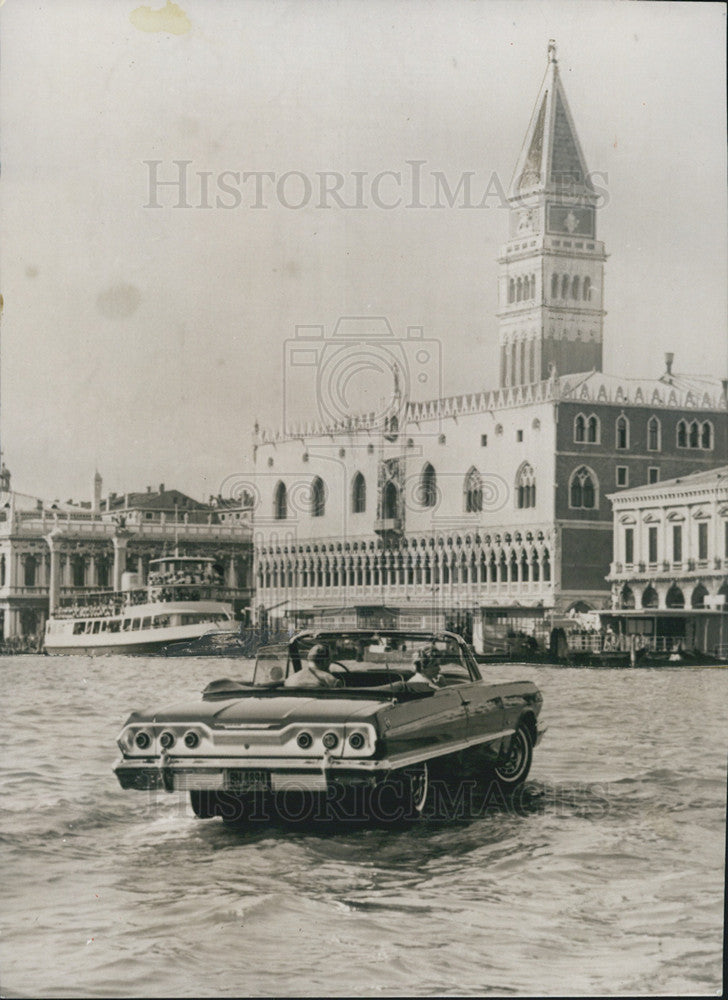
(608, 879)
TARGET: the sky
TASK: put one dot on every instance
(146, 330)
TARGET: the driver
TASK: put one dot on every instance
(316, 672)
(427, 668)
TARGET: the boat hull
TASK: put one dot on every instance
(61, 639)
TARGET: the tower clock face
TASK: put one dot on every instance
(571, 220)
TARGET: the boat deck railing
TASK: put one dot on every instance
(104, 603)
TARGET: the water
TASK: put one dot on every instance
(611, 883)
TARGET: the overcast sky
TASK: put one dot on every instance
(146, 341)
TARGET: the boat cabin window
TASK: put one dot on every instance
(96, 627)
(136, 624)
(78, 628)
(126, 625)
(146, 622)
(114, 625)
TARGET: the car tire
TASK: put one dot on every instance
(232, 808)
(512, 770)
(204, 804)
(402, 797)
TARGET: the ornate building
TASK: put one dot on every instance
(486, 511)
(49, 551)
(670, 563)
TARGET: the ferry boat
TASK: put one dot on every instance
(183, 599)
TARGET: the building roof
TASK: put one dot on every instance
(551, 159)
(684, 391)
(706, 480)
(164, 500)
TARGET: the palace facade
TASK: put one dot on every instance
(669, 574)
(488, 511)
(80, 551)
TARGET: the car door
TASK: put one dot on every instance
(421, 728)
(483, 706)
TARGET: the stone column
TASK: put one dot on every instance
(12, 620)
(54, 581)
(120, 543)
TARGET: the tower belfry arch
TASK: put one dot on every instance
(551, 279)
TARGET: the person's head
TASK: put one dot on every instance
(319, 656)
(425, 661)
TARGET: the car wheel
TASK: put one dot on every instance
(512, 769)
(231, 807)
(402, 796)
(419, 786)
(204, 804)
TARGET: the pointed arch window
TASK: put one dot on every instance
(519, 289)
(653, 434)
(575, 287)
(358, 494)
(580, 428)
(390, 500)
(565, 287)
(586, 290)
(533, 286)
(682, 434)
(583, 489)
(511, 290)
(525, 487)
(592, 430)
(622, 428)
(532, 362)
(694, 436)
(428, 486)
(318, 497)
(280, 502)
(706, 435)
(473, 492)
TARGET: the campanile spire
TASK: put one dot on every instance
(552, 268)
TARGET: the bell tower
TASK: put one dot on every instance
(551, 278)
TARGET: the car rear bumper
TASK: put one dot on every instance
(175, 774)
(248, 775)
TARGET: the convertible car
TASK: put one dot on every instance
(378, 730)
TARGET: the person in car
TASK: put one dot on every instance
(316, 671)
(427, 668)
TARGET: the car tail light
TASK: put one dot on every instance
(330, 740)
(167, 740)
(357, 741)
(192, 740)
(143, 740)
(304, 740)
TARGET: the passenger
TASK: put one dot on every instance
(427, 668)
(316, 672)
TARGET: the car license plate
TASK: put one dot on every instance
(245, 780)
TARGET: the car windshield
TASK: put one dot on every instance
(364, 660)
